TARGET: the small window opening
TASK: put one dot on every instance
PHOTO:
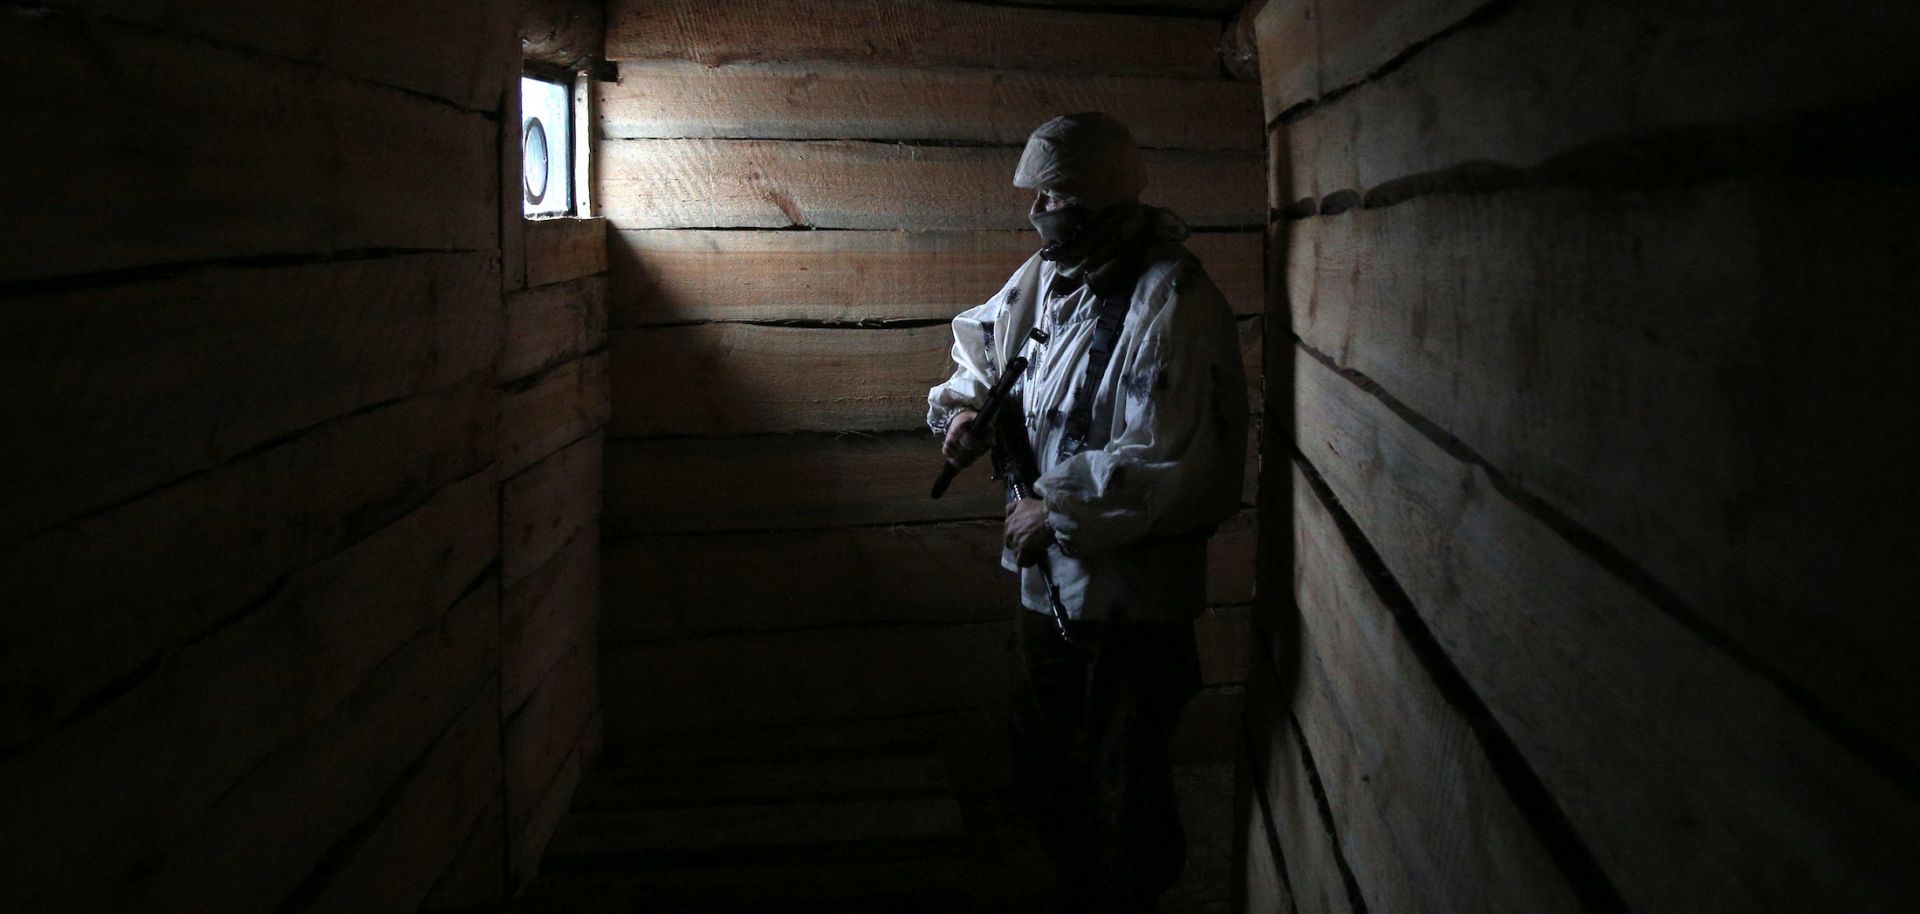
(546, 147)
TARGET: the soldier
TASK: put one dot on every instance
(1135, 404)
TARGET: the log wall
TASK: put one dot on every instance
(800, 198)
(1599, 466)
(299, 555)
(554, 403)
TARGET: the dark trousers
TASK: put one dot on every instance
(1092, 723)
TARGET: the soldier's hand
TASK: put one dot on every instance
(962, 445)
(1027, 532)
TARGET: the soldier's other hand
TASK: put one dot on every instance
(1027, 532)
(962, 445)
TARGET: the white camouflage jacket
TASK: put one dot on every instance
(1131, 514)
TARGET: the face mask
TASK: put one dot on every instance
(1059, 226)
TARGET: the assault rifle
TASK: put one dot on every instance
(1013, 462)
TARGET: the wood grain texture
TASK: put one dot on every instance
(667, 276)
(730, 379)
(563, 249)
(333, 776)
(115, 391)
(475, 876)
(690, 584)
(553, 324)
(1223, 635)
(1309, 48)
(527, 848)
(570, 34)
(548, 613)
(1261, 884)
(543, 507)
(677, 585)
(551, 411)
(548, 728)
(1279, 772)
(784, 482)
(1553, 83)
(1230, 560)
(1199, 7)
(970, 741)
(103, 806)
(834, 102)
(1576, 665)
(395, 864)
(721, 379)
(1674, 399)
(102, 599)
(1425, 820)
(466, 63)
(737, 681)
(908, 33)
(161, 139)
(868, 185)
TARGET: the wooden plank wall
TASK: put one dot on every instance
(802, 195)
(1600, 487)
(263, 440)
(553, 411)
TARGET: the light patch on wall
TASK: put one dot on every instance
(546, 148)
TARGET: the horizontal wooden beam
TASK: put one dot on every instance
(909, 33)
(1704, 71)
(670, 276)
(547, 614)
(552, 324)
(1665, 327)
(563, 249)
(731, 379)
(1280, 769)
(563, 33)
(396, 863)
(834, 102)
(784, 482)
(693, 584)
(1309, 48)
(551, 411)
(115, 391)
(174, 166)
(324, 728)
(96, 603)
(1424, 814)
(665, 586)
(467, 64)
(543, 508)
(862, 185)
(752, 680)
(1545, 634)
